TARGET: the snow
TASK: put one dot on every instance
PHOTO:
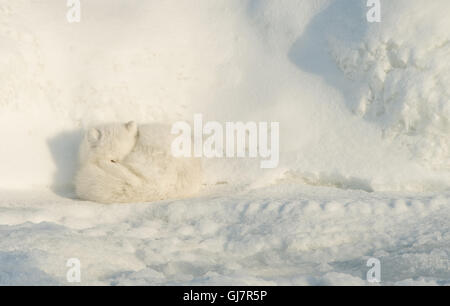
(364, 134)
(282, 235)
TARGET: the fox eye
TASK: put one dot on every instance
(113, 161)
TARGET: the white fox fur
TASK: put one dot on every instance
(121, 163)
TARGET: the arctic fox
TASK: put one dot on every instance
(124, 163)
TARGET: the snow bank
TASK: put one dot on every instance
(401, 71)
(281, 235)
(361, 106)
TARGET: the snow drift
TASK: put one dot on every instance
(360, 106)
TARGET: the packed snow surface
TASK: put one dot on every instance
(364, 118)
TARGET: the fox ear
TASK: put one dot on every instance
(93, 136)
(131, 126)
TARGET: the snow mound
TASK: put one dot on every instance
(360, 105)
(364, 140)
(403, 75)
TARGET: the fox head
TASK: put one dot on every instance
(111, 142)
